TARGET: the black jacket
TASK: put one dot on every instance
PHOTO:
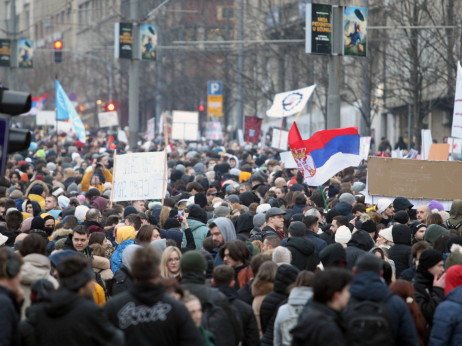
(222, 323)
(303, 253)
(146, 315)
(285, 276)
(245, 315)
(121, 281)
(9, 318)
(319, 325)
(427, 296)
(67, 318)
(245, 293)
(400, 253)
(360, 243)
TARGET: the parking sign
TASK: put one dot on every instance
(214, 98)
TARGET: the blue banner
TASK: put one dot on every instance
(65, 110)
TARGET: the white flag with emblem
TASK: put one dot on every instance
(290, 102)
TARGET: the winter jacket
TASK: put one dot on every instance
(199, 230)
(303, 253)
(426, 295)
(87, 178)
(298, 298)
(447, 320)
(344, 209)
(58, 234)
(369, 286)
(319, 243)
(67, 318)
(285, 276)
(360, 243)
(260, 289)
(146, 314)
(319, 325)
(9, 318)
(222, 327)
(247, 320)
(116, 258)
(455, 214)
(245, 292)
(35, 267)
(122, 281)
(400, 253)
(409, 273)
(102, 266)
(244, 224)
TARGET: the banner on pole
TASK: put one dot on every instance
(252, 129)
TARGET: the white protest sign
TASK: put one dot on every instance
(288, 160)
(65, 126)
(456, 144)
(262, 141)
(240, 137)
(364, 146)
(213, 130)
(456, 130)
(185, 125)
(108, 119)
(46, 118)
(427, 141)
(151, 129)
(280, 139)
(122, 136)
(139, 176)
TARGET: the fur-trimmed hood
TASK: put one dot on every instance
(100, 262)
(61, 232)
(262, 288)
(38, 182)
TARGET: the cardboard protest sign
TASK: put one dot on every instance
(414, 178)
(185, 125)
(439, 152)
(139, 176)
(252, 129)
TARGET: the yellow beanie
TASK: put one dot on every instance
(244, 176)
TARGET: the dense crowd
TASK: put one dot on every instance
(240, 251)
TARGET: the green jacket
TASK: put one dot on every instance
(199, 231)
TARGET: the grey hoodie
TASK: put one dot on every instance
(226, 228)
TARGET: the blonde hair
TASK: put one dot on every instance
(164, 272)
(163, 216)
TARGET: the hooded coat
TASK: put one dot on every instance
(36, 266)
(244, 224)
(199, 230)
(67, 316)
(455, 214)
(303, 253)
(228, 232)
(426, 295)
(434, 231)
(260, 289)
(145, 311)
(447, 320)
(285, 276)
(359, 244)
(298, 298)
(369, 286)
(400, 253)
(344, 209)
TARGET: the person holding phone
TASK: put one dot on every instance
(96, 176)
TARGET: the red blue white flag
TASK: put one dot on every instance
(325, 154)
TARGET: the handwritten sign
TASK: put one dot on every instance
(364, 146)
(108, 119)
(139, 176)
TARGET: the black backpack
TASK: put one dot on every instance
(368, 323)
(450, 226)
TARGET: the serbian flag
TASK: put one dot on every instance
(37, 104)
(325, 154)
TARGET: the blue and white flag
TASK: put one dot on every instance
(65, 110)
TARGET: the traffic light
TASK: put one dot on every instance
(58, 54)
(110, 107)
(201, 108)
(15, 103)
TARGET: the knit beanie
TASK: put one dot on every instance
(453, 278)
(383, 204)
(435, 205)
(262, 208)
(258, 220)
(369, 226)
(171, 222)
(416, 226)
(429, 258)
(297, 229)
(200, 199)
(222, 211)
(281, 255)
(402, 217)
(129, 210)
(342, 235)
(347, 198)
(16, 194)
(402, 203)
(455, 257)
(332, 191)
(387, 234)
(37, 189)
(193, 261)
(434, 231)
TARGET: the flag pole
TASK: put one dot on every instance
(113, 178)
(298, 115)
(280, 133)
(323, 198)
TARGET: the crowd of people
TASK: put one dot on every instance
(240, 251)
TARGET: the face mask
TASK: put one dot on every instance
(48, 230)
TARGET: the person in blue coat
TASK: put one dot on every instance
(447, 320)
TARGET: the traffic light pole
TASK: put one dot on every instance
(133, 78)
(13, 48)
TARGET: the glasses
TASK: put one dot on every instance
(171, 260)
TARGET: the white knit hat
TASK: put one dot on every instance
(386, 234)
(383, 204)
(262, 208)
(342, 235)
(281, 255)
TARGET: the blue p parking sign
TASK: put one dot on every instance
(214, 87)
